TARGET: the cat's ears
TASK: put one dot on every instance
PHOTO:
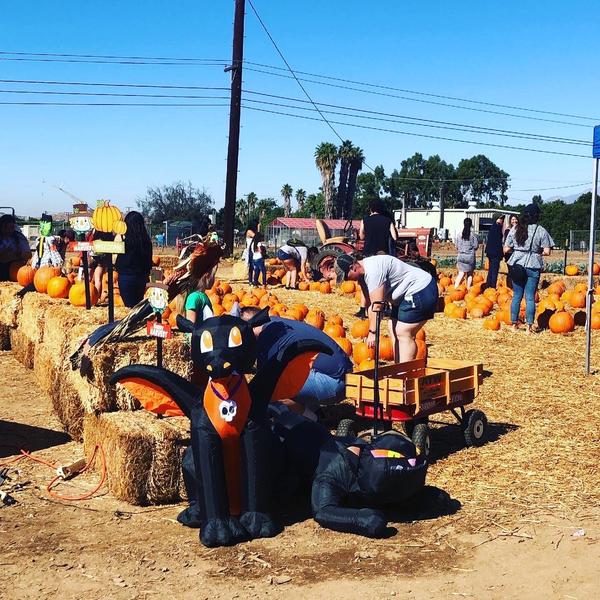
(235, 310)
(260, 318)
(184, 325)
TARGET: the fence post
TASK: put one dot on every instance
(565, 260)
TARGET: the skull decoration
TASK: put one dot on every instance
(228, 410)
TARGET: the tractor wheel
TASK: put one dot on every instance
(323, 264)
(347, 428)
(421, 439)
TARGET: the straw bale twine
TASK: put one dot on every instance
(143, 454)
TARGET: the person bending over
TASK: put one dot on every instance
(412, 292)
(326, 382)
(295, 259)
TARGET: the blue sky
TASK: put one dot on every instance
(527, 54)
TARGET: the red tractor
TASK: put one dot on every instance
(412, 246)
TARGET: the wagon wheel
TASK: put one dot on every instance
(323, 264)
(421, 439)
(475, 428)
(347, 428)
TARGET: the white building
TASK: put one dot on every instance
(453, 218)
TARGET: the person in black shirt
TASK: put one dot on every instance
(135, 265)
(380, 235)
(494, 249)
(378, 229)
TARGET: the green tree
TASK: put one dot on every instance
(326, 157)
(537, 199)
(286, 194)
(176, 202)
(369, 186)
(300, 199)
(483, 181)
(356, 158)
(345, 154)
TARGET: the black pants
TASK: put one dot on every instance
(132, 288)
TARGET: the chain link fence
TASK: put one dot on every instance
(579, 240)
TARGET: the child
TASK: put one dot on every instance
(259, 253)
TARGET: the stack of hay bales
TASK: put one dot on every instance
(143, 453)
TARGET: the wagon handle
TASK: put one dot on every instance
(379, 308)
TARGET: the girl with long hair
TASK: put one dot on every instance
(466, 245)
(259, 251)
(529, 242)
(135, 265)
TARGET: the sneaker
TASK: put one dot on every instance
(362, 313)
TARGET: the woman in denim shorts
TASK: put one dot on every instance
(412, 292)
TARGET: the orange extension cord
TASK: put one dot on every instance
(51, 485)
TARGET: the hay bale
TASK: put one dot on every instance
(32, 317)
(4, 337)
(10, 305)
(22, 347)
(45, 367)
(66, 401)
(143, 454)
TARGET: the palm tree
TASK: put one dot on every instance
(286, 192)
(300, 198)
(326, 157)
(345, 154)
(357, 159)
(251, 199)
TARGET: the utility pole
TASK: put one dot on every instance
(234, 125)
(441, 196)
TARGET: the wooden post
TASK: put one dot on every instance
(111, 297)
(565, 259)
(159, 344)
(86, 281)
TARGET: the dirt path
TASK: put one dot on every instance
(103, 548)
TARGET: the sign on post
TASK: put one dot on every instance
(596, 147)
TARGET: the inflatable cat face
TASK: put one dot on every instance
(223, 345)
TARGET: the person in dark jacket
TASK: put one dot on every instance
(494, 249)
(135, 265)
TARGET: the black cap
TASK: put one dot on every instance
(343, 264)
(47, 218)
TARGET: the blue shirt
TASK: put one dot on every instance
(279, 333)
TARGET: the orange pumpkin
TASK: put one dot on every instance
(218, 310)
(76, 261)
(13, 269)
(348, 287)
(77, 294)
(421, 335)
(422, 351)
(457, 295)
(577, 300)
(491, 323)
(117, 300)
(105, 216)
(360, 329)
(172, 320)
(561, 322)
(302, 309)
(358, 295)
(25, 275)
(595, 320)
(303, 286)
(315, 319)
(42, 276)
(325, 287)
(572, 270)
(476, 313)
(337, 320)
(386, 348)
(333, 330)
(366, 365)
(156, 260)
(58, 287)
(445, 282)
(596, 269)
(314, 286)
(346, 345)
(362, 352)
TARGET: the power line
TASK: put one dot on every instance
(541, 137)
(388, 95)
(433, 137)
(136, 104)
(428, 122)
(292, 71)
(420, 93)
(484, 131)
(112, 56)
(219, 61)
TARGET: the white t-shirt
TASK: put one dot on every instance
(400, 279)
(299, 252)
(257, 254)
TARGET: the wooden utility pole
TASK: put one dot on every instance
(234, 126)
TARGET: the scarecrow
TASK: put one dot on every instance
(47, 248)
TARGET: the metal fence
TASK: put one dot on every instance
(579, 240)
